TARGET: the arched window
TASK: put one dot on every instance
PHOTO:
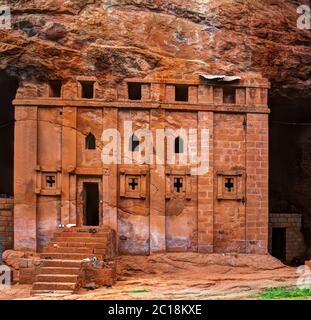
(90, 141)
(179, 145)
(134, 143)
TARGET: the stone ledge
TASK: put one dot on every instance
(98, 103)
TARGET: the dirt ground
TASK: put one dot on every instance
(183, 276)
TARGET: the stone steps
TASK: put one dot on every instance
(60, 263)
(59, 270)
(50, 293)
(68, 256)
(80, 234)
(87, 229)
(97, 245)
(60, 249)
(53, 286)
(57, 277)
(64, 278)
(87, 251)
(80, 239)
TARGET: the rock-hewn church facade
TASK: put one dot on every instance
(60, 177)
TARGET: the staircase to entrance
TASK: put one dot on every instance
(60, 267)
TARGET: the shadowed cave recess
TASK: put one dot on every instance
(8, 87)
(290, 161)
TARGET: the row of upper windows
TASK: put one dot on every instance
(134, 91)
(181, 92)
(90, 143)
(87, 89)
(178, 144)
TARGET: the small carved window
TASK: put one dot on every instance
(50, 181)
(179, 145)
(134, 91)
(229, 95)
(90, 141)
(178, 184)
(55, 88)
(87, 89)
(181, 93)
(229, 184)
(133, 183)
(134, 143)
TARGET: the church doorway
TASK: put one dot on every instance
(89, 201)
(91, 204)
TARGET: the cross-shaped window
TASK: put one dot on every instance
(229, 184)
(133, 183)
(178, 184)
(50, 181)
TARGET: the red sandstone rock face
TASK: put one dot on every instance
(113, 39)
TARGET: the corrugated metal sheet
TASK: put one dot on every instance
(220, 78)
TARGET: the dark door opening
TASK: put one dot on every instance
(91, 204)
(279, 243)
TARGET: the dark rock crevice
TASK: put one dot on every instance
(8, 90)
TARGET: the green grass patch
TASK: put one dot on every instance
(138, 291)
(286, 293)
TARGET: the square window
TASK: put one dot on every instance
(50, 181)
(181, 93)
(178, 183)
(231, 185)
(87, 89)
(229, 95)
(55, 88)
(132, 183)
(134, 91)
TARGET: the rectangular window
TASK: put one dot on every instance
(55, 87)
(87, 89)
(229, 95)
(181, 93)
(134, 91)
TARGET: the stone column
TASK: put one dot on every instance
(69, 156)
(25, 162)
(205, 187)
(257, 183)
(110, 176)
(205, 94)
(157, 190)
(193, 94)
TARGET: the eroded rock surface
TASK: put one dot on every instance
(185, 276)
(114, 39)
